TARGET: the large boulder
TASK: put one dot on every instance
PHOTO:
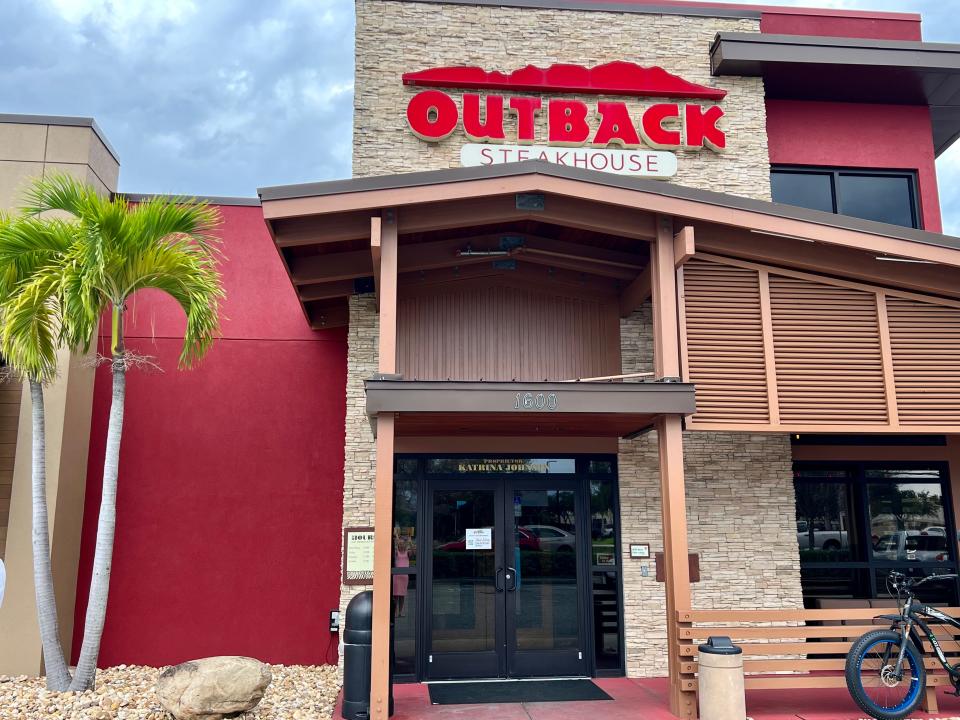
(212, 688)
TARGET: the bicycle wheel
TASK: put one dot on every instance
(870, 677)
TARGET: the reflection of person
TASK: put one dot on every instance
(401, 559)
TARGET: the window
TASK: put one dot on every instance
(858, 521)
(884, 196)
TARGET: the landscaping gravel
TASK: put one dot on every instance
(126, 692)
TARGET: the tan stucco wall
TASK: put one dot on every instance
(397, 37)
(27, 151)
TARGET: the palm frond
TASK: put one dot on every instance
(29, 326)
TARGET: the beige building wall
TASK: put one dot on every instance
(31, 147)
(396, 37)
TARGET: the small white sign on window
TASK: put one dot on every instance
(479, 538)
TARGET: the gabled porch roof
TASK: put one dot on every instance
(582, 225)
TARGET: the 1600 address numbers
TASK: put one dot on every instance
(536, 401)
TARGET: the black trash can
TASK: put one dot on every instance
(357, 647)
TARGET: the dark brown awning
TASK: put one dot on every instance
(902, 72)
(527, 408)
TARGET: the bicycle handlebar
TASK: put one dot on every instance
(902, 582)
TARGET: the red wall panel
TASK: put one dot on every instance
(231, 478)
(893, 137)
(879, 26)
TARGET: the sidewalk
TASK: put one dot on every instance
(646, 700)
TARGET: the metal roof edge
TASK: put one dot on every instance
(62, 120)
(624, 6)
(656, 187)
(212, 199)
(833, 41)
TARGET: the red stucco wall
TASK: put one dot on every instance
(879, 26)
(893, 137)
(231, 477)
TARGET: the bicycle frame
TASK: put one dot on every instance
(913, 616)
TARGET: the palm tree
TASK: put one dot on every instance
(29, 247)
(118, 249)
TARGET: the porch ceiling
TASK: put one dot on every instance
(550, 221)
(523, 408)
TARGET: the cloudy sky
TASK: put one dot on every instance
(218, 97)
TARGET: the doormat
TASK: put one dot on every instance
(516, 691)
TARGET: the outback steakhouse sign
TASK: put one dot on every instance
(503, 128)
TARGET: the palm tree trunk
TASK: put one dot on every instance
(106, 527)
(58, 675)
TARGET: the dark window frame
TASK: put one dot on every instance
(584, 476)
(835, 173)
(857, 482)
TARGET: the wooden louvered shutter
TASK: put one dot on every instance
(724, 342)
(925, 344)
(826, 341)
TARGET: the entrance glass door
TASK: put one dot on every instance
(544, 598)
(465, 598)
(506, 579)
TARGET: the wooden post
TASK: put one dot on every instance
(666, 335)
(383, 517)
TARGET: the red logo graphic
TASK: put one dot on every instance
(614, 78)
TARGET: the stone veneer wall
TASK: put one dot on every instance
(359, 450)
(396, 37)
(740, 519)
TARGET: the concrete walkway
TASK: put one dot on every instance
(645, 700)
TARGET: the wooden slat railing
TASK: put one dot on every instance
(798, 648)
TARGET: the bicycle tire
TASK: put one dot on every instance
(853, 676)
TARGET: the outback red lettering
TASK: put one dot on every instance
(526, 109)
(700, 127)
(432, 115)
(567, 122)
(651, 125)
(616, 127)
(490, 129)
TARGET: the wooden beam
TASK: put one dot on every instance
(582, 264)
(636, 293)
(664, 286)
(584, 251)
(683, 246)
(886, 356)
(383, 495)
(569, 212)
(325, 291)
(666, 333)
(330, 267)
(388, 292)
(769, 352)
(382, 557)
(828, 260)
(559, 280)
(375, 235)
(321, 230)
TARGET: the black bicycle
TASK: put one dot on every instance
(884, 669)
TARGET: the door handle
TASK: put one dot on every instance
(512, 575)
(496, 580)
